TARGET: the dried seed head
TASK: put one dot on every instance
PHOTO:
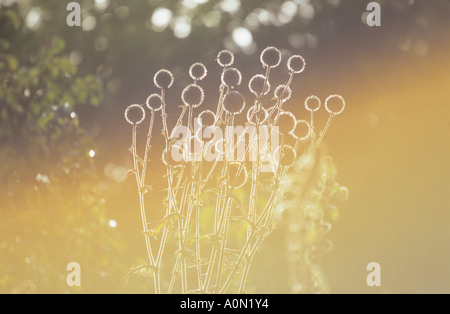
(302, 130)
(253, 114)
(271, 57)
(296, 64)
(283, 93)
(287, 122)
(193, 95)
(286, 155)
(231, 77)
(207, 118)
(135, 114)
(225, 58)
(256, 85)
(234, 102)
(335, 104)
(163, 79)
(198, 71)
(154, 102)
(237, 175)
(312, 103)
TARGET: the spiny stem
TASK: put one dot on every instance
(180, 119)
(327, 126)
(142, 206)
(147, 148)
(197, 223)
(266, 212)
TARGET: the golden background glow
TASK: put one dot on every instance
(391, 148)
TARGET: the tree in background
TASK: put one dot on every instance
(50, 203)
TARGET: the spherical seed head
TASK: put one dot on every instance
(163, 79)
(234, 102)
(313, 103)
(283, 93)
(237, 175)
(253, 114)
(335, 104)
(225, 58)
(193, 95)
(296, 64)
(287, 122)
(231, 77)
(207, 118)
(256, 85)
(198, 71)
(135, 114)
(302, 130)
(286, 155)
(271, 57)
(154, 102)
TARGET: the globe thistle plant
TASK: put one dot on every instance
(217, 187)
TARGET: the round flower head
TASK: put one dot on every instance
(198, 71)
(287, 122)
(234, 102)
(231, 77)
(252, 115)
(285, 155)
(163, 79)
(271, 57)
(237, 175)
(135, 114)
(207, 118)
(296, 64)
(256, 85)
(154, 102)
(302, 130)
(193, 95)
(335, 104)
(312, 103)
(283, 93)
(225, 58)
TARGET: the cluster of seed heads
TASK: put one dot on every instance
(266, 109)
(234, 102)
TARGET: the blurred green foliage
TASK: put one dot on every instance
(51, 210)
